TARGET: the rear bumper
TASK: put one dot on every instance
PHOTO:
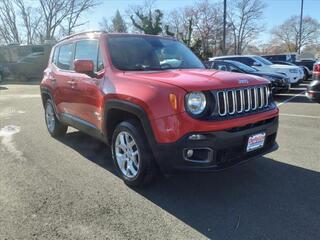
(313, 95)
(221, 149)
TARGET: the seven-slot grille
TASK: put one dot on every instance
(242, 100)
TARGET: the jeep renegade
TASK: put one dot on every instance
(153, 101)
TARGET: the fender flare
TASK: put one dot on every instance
(134, 109)
(45, 90)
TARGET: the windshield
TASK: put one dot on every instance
(143, 53)
(244, 67)
(263, 60)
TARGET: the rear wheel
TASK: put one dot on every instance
(54, 126)
(132, 155)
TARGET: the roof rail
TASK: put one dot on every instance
(80, 33)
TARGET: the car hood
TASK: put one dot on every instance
(280, 66)
(199, 79)
(273, 75)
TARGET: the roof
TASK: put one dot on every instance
(231, 56)
(112, 34)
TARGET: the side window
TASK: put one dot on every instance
(100, 64)
(55, 55)
(234, 68)
(221, 66)
(248, 61)
(245, 60)
(87, 50)
(65, 56)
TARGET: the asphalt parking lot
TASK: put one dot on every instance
(67, 188)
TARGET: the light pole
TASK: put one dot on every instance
(300, 30)
(224, 27)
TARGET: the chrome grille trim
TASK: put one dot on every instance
(240, 100)
(233, 104)
(224, 103)
(261, 97)
(255, 98)
(267, 98)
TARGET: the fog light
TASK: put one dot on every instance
(197, 137)
(189, 153)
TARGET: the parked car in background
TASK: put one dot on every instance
(294, 73)
(306, 71)
(313, 91)
(4, 72)
(316, 71)
(29, 67)
(279, 82)
(125, 90)
(291, 58)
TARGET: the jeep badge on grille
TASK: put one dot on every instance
(243, 81)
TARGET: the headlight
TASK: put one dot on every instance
(196, 103)
(293, 70)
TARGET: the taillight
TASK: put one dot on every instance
(316, 67)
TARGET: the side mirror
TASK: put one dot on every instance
(84, 66)
(256, 64)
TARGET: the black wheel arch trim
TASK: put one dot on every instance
(134, 109)
(45, 90)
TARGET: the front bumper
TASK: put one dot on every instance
(280, 87)
(225, 148)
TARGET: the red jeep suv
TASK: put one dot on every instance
(153, 101)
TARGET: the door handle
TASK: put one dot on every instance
(72, 83)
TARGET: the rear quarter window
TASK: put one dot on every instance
(55, 55)
(65, 57)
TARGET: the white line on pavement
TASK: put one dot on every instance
(289, 99)
(296, 115)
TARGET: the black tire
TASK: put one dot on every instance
(59, 129)
(147, 171)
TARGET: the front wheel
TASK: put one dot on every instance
(132, 155)
(54, 126)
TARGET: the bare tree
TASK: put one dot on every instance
(244, 17)
(208, 26)
(31, 20)
(181, 23)
(8, 22)
(288, 33)
(54, 12)
(105, 25)
(57, 12)
(77, 7)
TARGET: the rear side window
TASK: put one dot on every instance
(55, 55)
(88, 50)
(65, 57)
(245, 60)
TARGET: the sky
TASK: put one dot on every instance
(275, 13)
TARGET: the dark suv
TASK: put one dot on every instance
(279, 82)
(153, 101)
